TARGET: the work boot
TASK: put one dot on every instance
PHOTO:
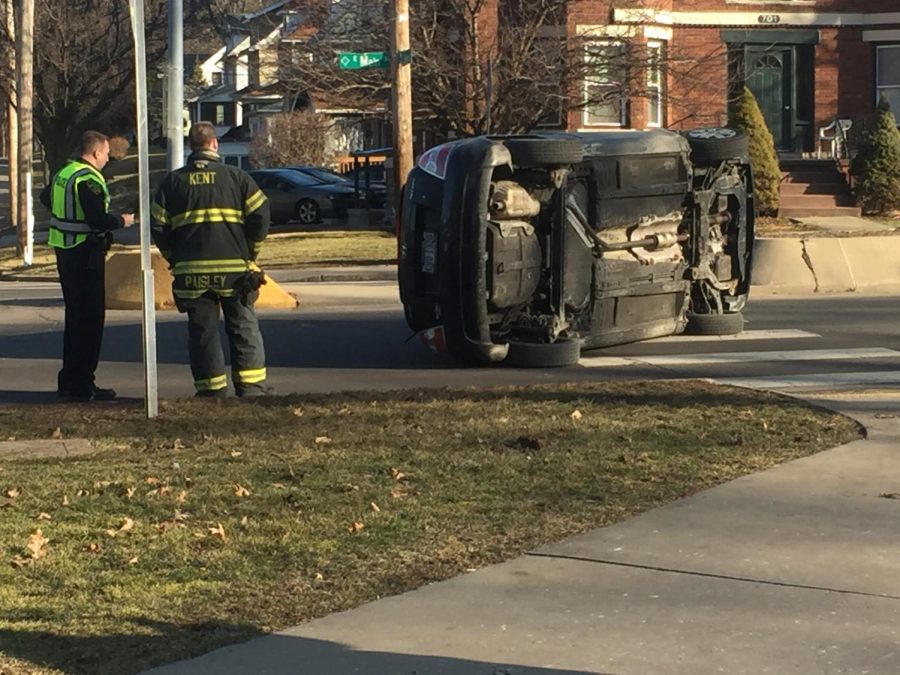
(93, 394)
(213, 393)
(254, 391)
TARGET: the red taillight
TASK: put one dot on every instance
(434, 161)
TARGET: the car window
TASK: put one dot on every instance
(297, 178)
(325, 176)
(262, 180)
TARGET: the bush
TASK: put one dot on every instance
(299, 137)
(744, 114)
(876, 167)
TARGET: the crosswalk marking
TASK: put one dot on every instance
(740, 357)
(778, 334)
(815, 380)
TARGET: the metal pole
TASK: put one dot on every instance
(12, 118)
(149, 302)
(175, 88)
(24, 90)
(401, 99)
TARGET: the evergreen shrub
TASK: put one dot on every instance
(876, 167)
(744, 114)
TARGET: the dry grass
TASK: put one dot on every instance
(223, 520)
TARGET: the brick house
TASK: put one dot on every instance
(808, 62)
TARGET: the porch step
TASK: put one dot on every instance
(814, 187)
(830, 188)
(803, 212)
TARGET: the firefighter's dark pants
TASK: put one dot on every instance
(248, 358)
(81, 274)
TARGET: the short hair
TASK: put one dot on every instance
(91, 141)
(201, 135)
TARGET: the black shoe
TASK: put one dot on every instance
(255, 391)
(215, 393)
(94, 394)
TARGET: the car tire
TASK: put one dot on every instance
(543, 355)
(307, 211)
(715, 324)
(544, 151)
(711, 145)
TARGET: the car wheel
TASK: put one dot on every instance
(544, 151)
(711, 145)
(307, 211)
(543, 355)
(715, 324)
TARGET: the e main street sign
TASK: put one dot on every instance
(357, 60)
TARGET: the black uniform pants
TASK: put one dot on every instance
(81, 274)
(248, 358)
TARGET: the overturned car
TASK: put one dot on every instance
(528, 249)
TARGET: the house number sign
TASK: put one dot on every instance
(769, 18)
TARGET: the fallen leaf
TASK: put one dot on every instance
(57, 433)
(236, 453)
(398, 492)
(322, 440)
(245, 521)
(218, 531)
(101, 484)
(396, 474)
(177, 444)
(374, 507)
(93, 547)
(37, 545)
(298, 412)
(181, 497)
(353, 528)
(133, 561)
(44, 516)
(318, 577)
(82, 493)
(279, 486)
(129, 491)
(18, 561)
(241, 491)
(127, 525)
(765, 425)
(12, 492)
(64, 501)
(576, 415)
(151, 480)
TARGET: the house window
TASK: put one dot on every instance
(604, 82)
(655, 83)
(887, 76)
(216, 79)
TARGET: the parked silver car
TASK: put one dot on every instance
(297, 196)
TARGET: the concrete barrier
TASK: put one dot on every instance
(123, 285)
(826, 264)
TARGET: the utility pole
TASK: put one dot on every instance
(12, 115)
(401, 99)
(175, 88)
(24, 84)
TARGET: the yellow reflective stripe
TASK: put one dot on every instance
(207, 216)
(212, 384)
(207, 266)
(194, 294)
(255, 246)
(255, 200)
(159, 213)
(250, 376)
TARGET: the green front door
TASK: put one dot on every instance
(770, 78)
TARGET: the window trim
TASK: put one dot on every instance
(879, 87)
(591, 80)
(659, 66)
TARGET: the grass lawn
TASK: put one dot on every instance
(223, 520)
(280, 250)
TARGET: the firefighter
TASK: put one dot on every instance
(209, 222)
(80, 228)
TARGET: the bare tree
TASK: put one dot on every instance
(299, 137)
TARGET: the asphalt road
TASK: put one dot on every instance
(353, 337)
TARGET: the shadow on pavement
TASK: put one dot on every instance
(294, 655)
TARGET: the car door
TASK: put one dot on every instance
(280, 200)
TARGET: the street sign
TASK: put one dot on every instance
(357, 60)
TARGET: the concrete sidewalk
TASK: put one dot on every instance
(795, 569)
